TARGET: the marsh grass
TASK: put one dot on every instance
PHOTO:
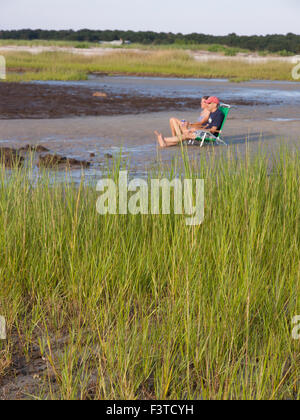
(217, 48)
(125, 307)
(74, 44)
(24, 66)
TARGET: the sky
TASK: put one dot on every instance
(216, 17)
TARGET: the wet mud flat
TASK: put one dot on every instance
(12, 157)
(46, 101)
(34, 374)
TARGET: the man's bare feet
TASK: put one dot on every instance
(160, 139)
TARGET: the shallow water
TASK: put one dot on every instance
(283, 119)
(266, 92)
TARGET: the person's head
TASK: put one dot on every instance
(203, 102)
(212, 103)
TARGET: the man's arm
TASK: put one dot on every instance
(214, 130)
(196, 125)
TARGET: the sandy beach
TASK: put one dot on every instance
(133, 136)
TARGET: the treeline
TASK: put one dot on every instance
(272, 43)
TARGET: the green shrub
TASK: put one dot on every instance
(230, 52)
(285, 53)
(82, 45)
(216, 48)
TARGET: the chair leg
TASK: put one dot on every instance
(203, 139)
(222, 141)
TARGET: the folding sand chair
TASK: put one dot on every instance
(211, 138)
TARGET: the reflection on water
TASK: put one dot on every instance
(283, 119)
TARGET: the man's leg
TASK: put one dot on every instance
(172, 121)
(172, 141)
(160, 139)
(166, 142)
(176, 128)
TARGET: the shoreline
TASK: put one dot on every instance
(232, 79)
(48, 101)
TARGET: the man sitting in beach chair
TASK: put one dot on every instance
(180, 128)
(198, 132)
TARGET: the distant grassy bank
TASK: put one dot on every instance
(216, 48)
(125, 307)
(229, 51)
(23, 66)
